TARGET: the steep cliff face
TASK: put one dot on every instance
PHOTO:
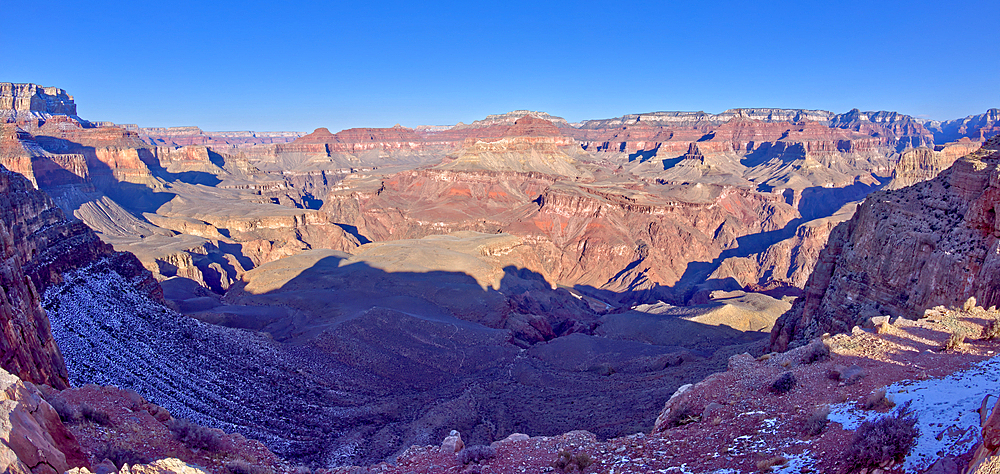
(30, 101)
(39, 244)
(920, 164)
(33, 440)
(977, 128)
(906, 250)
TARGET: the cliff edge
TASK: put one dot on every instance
(904, 251)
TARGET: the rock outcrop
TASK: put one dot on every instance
(907, 250)
(978, 128)
(33, 440)
(22, 102)
(920, 164)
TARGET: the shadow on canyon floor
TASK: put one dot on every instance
(416, 354)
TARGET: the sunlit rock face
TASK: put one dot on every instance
(25, 101)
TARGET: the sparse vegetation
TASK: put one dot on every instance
(887, 439)
(66, 413)
(196, 436)
(567, 461)
(955, 341)
(816, 351)
(847, 375)
(992, 330)
(877, 400)
(242, 467)
(817, 421)
(118, 456)
(682, 414)
(89, 413)
(784, 384)
(476, 454)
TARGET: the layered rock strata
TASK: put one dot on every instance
(31, 102)
(905, 251)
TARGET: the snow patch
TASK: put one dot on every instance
(946, 409)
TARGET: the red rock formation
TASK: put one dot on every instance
(906, 250)
(34, 440)
(602, 236)
(30, 102)
(360, 139)
(920, 164)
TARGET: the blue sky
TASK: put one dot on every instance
(298, 65)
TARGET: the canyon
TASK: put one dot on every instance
(341, 297)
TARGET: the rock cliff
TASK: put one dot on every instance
(977, 128)
(38, 245)
(906, 250)
(22, 102)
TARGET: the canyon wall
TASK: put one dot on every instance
(906, 250)
(39, 244)
(31, 100)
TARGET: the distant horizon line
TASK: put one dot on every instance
(919, 118)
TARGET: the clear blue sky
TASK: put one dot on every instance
(296, 65)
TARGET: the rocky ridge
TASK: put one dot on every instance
(735, 421)
(31, 102)
(39, 244)
(905, 251)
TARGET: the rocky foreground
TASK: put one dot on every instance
(797, 411)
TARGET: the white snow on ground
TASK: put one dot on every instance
(947, 410)
(233, 379)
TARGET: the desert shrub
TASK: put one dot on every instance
(682, 414)
(476, 453)
(992, 330)
(567, 461)
(66, 413)
(240, 466)
(784, 384)
(816, 352)
(816, 421)
(847, 375)
(767, 465)
(878, 401)
(955, 340)
(196, 436)
(118, 456)
(886, 439)
(95, 415)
